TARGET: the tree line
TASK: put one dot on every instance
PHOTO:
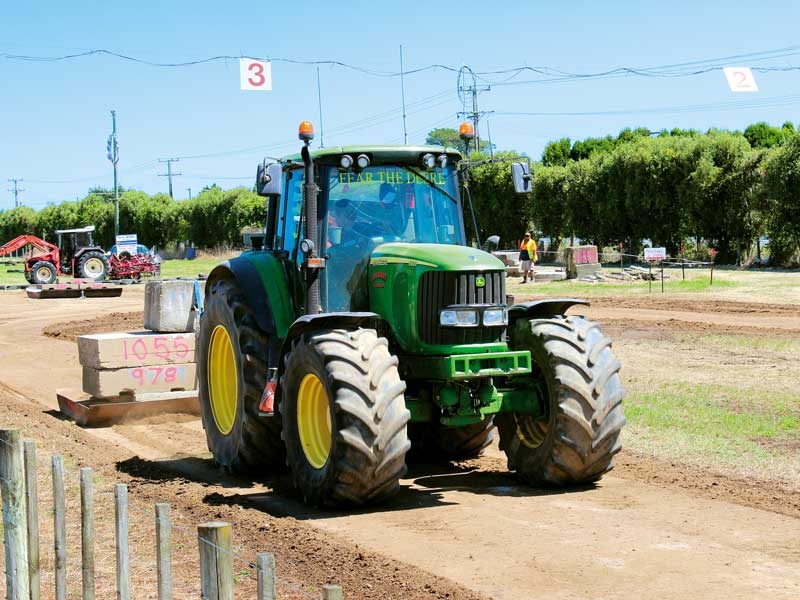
(213, 218)
(725, 189)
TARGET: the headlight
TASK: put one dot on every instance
(495, 317)
(429, 160)
(346, 161)
(362, 161)
(459, 317)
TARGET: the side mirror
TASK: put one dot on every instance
(491, 243)
(523, 180)
(269, 178)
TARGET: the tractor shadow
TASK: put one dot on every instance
(426, 485)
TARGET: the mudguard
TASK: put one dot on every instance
(542, 309)
(334, 320)
(247, 277)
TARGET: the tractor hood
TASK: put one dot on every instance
(439, 256)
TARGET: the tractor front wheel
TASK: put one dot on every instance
(92, 265)
(43, 272)
(232, 373)
(344, 417)
(577, 377)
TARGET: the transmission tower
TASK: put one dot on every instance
(169, 174)
(16, 190)
(468, 90)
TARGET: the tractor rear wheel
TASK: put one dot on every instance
(92, 265)
(460, 443)
(232, 354)
(577, 377)
(43, 272)
(344, 417)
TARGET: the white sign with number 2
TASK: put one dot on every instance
(740, 79)
(255, 74)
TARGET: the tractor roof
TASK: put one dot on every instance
(380, 154)
(87, 229)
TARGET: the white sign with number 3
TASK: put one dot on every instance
(740, 79)
(255, 74)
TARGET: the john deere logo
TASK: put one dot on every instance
(480, 281)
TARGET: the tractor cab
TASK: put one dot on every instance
(79, 255)
(368, 197)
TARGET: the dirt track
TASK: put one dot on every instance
(648, 530)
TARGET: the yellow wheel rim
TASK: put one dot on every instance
(531, 431)
(223, 382)
(314, 421)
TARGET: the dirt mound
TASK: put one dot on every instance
(698, 306)
(630, 328)
(116, 321)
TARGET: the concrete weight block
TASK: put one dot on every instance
(106, 383)
(169, 306)
(136, 349)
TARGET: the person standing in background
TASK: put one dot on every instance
(527, 255)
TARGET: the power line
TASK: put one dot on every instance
(221, 57)
(684, 69)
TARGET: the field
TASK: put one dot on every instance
(704, 501)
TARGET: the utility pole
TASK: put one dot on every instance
(16, 190)
(190, 193)
(113, 155)
(403, 95)
(468, 87)
(169, 174)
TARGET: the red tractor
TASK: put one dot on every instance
(74, 255)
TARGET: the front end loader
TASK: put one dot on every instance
(367, 324)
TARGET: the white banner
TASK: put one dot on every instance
(255, 74)
(740, 79)
(655, 253)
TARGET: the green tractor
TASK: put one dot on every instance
(367, 325)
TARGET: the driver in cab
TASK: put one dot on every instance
(351, 230)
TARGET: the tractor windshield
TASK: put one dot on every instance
(382, 204)
(394, 203)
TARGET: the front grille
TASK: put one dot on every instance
(438, 289)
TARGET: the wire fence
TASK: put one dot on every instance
(117, 547)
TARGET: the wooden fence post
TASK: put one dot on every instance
(216, 561)
(266, 575)
(164, 551)
(332, 592)
(32, 505)
(87, 533)
(15, 539)
(123, 556)
(59, 527)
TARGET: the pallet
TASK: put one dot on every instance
(94, 412)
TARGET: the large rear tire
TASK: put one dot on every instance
(344, 418)
(92, 265)
(578, 377)
(232, 360)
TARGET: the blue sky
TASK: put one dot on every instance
(54, 116)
